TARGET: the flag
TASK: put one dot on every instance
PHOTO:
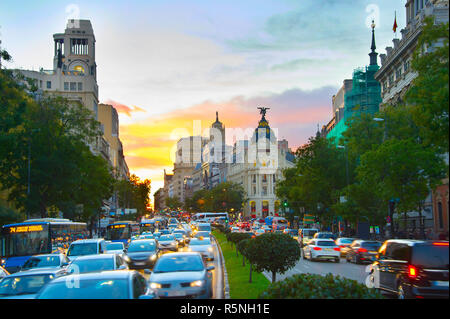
(395, 23)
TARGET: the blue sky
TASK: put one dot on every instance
(167, 56)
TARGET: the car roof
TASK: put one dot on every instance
(97, 256)
(86, 241)
(323, 239)
(143, 240)
(37, 271)
(412, 242)
(109, 274)
(48, 255)
(180, 254)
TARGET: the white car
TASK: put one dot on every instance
(235, 229)
(322, 249)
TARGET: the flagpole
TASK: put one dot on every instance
(395, 24)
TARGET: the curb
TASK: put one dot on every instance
(226, 287)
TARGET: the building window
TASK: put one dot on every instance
(73, 86)
(391, 79)
(398, 73)
(264, 178)
(80, 86)
(254, 178)
(40, 84)
(254, 190)
(49, 84)
(384, 86)
(406, 66)
(264, 190)
(440, 217)
(66, 86)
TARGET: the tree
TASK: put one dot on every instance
(273, 252)
(428, 94)
(173, 203)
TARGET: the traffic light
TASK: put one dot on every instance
(285, 204)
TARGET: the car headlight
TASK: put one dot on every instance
(155, 285)
(153, 257)
(210, 249)
(197, 283)
(126, 258)
(3, 261)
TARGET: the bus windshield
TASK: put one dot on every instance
(25, 240)
(115, 232)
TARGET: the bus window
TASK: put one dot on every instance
(27, 240)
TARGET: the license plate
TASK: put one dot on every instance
(174, 293)
(372, 252)
(328, 249)
(441, 283)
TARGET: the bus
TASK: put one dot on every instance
(20, 241)
(279, 223)
(122, 231)
(147, 225)
(209, 217)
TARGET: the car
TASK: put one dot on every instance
(84, 247)
(203, 245)
(291, 232)
(46, 261)
(344, 243)
(180, 238)
(181, 275)
(306, 234)
(204, 227)
(202, 234)
(362, 251)
(96, 263)
(324, 235)
(168, 242)
(127, 284)
(322, 249)
(412, 268)
(142, 254)
(267, 229)
(3, 272)
(165, 232)
(115, 248)
(235, 229)
(259, 232)
(26, 284)
(151, 236)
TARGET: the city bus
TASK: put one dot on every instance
(20, 241)
(122, 231)
(147, 225)
(208, 217)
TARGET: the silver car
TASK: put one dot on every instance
(96, 263)
(203, 246)
(168, 242)
(181, 275)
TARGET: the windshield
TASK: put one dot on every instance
(308, 232)
(114, 246)
(82, 249)
(23, 285)
(168, 263)
(26, 240)
(429, 256)
(372, 245)
(346, 240)
(178, 235)
(41, 262)
(325, 235)
(325, 243)
(166, 238)
(195, 242)
(91, 265)
(88, 289)
(142, 246)
(116, 232)
(204, 228)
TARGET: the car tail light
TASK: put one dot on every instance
(342, 246)
(440, 244)
(412, 271)
(337, 248)
(317, 248)
(362, 250)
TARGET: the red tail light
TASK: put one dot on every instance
(440, 244)
(342, 246)
(412, 271)
(317, 248)
(337, 248)
(362, 250)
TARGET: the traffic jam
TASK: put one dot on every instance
(162, 257)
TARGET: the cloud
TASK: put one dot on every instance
(122, 108)
(149, 143)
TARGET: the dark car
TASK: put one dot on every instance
(46, 261)
(413, 268)
(324, 235)
(362, 251)
(142, 254)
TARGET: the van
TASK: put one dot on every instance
(204, 227)
(84, 247)
(306, 234)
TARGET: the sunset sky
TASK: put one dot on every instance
(164, 64)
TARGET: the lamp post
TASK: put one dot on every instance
(347, 176)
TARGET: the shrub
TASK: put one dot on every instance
(309, 286)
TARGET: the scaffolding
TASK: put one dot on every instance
(365, 97)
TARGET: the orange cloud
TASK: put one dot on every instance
(121, 108)
(149, 144)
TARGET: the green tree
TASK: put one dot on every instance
(428, 94)
(173, 203)
(274, 252)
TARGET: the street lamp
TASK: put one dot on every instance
(378, 119)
